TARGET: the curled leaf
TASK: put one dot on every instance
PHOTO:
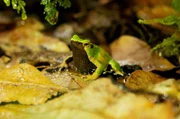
(131, 50)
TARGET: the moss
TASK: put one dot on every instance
(169, 47)
(50, 8)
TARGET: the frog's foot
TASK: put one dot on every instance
(116, 67)
(91, 77)
(119, 73)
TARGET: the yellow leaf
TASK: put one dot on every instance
(99, 100)
(25, 84)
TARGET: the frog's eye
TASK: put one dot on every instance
(88, 45)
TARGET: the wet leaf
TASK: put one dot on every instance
(131, 50)
(141, 80)
(100, 100)
(25, 84)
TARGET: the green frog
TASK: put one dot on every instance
(97, 56)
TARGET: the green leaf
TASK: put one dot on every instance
(176, 5)
(170, 20)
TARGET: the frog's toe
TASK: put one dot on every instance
(90, 77)
(62, 67)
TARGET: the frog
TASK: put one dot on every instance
(99, 57)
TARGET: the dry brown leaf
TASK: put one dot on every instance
(25, 84)
(131, 50)
(100, 100)
(141, 80)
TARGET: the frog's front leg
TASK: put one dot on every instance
(97, 73)
(116, 67)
